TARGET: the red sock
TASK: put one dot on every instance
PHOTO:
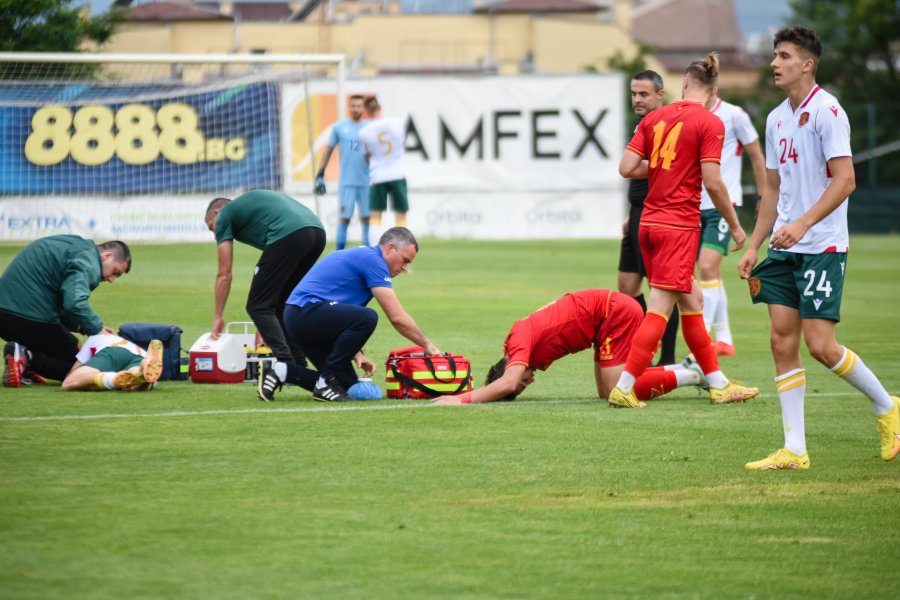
(654, 383)
(645, 342)
(694, 331)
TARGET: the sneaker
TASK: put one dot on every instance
(619, 399)
(151, 366)
(723, 349)
(332, 391)
(268, 382)
(782, 459)
(15, 362)
(735, 391)
(889, 429)
(691, 364)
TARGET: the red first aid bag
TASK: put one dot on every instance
(409, 373)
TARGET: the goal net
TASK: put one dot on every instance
(78, 127)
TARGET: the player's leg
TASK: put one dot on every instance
(399, 201)
(631, 264)
(49, 349)
(362, 199)
(823, 283)
(377, 206)
(82, 378)
(346, 204)
(715, 238)
(772, 282)
(112, 368)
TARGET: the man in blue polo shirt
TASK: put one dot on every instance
(327, 315)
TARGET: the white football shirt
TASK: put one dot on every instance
(96, 343)
(739, 132)
(383, 140)
(799, 144)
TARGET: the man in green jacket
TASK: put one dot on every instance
(291, 238)
(44, 296)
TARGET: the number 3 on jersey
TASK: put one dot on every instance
(787, 150)
(667, 151)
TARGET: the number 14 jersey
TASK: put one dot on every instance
(799, 144)
(675, 140)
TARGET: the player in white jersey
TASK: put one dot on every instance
(808, 180)
(740, 138)
(109, 362)
(383, 138)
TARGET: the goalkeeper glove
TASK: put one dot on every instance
(320, 184)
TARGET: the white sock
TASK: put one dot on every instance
(626, 382)
(854, 371)
(375, 233)
(721, 326)
(686, 377)
(320, 382)
(716, 379)
(791, 387)
(710, 291)
(107, 380)
(280, 370)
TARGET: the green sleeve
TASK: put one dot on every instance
(81, 276)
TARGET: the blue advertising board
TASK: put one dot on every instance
(96, 139)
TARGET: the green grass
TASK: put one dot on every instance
(201, 491)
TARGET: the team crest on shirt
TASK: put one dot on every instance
(834, 110)
(755, 286)
(804, 119)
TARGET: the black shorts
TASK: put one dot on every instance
(630, 260)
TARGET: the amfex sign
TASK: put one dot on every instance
(496, 134)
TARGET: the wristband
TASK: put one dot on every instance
(465, 399)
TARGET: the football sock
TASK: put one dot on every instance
(654, 383)
(710, 291)
(791, 388)
(365, 234)
(721, 326)
(341, 236)
(643, 347)
(105, 381)
(400, 219)
(698, 342)
(667, 349)
(280, 370)
(375, 230)
(852, 369)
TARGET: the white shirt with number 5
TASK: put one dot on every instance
(383, 140)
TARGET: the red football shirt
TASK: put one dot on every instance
(565, 326)
(674, 140)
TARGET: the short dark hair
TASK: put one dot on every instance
(651, 76)
(357, 97)
(803, 37)
(217, 203)
(705, 71)
(401, 236)
(371, 105)
(120, 251)
(496, 372)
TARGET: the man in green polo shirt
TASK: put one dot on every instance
(291, 238)
(44, 295)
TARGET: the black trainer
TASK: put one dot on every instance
(332, 391)
(268, 382)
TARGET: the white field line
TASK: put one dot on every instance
(303, 409)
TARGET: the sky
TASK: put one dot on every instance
(755, 17)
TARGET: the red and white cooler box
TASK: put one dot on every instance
(218, 361)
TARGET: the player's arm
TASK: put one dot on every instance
(325, 158)
(718, 193)
(843, 182)
(632, 165)
(765, 220)
(499, 388)
(400, 319)
(758, 164)
(223, 285)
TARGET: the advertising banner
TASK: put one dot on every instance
(492, 134)
(93, 139)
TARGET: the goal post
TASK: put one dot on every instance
(171, 129)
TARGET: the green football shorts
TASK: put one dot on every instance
(378, 194)
(714, 231)
(113, 359)
(811, 283)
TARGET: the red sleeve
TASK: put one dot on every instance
(518, 343)
(636, 144)
(712, 136)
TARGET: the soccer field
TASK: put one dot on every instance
(202, 491)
